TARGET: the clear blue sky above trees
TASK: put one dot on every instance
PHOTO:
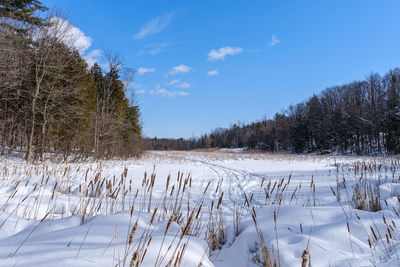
(207, 64)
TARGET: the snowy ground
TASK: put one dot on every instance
(206, 213)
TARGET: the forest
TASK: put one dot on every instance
(361, 117)
(51, 102)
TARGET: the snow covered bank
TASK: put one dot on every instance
(196, 207)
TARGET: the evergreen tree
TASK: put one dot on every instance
(18, 15)
(117, 125)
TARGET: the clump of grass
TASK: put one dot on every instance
(366, 195)
(216, 232)
(267, 258)
(237, 217)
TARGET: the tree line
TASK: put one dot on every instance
(51, 103)
(361, 117)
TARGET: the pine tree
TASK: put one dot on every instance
(18, 15)
(117, 127)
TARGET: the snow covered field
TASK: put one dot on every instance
(221, 208)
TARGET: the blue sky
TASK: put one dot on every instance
(207, 64)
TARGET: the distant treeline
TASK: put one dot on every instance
(362, 117)
(172, 144)
(49, 101)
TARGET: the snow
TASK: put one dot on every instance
(79, 214)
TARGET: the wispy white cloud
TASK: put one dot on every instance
(274, 41)
(183, 85)
(140, 91)
(153, 49)
(155, 26)
(212, 73)
(257, 50)
(223, 51)
(159, 91)
(177, 83)
(142, 71)
(173, 82)
(93, 57)
(180, 69)
(156, 50)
